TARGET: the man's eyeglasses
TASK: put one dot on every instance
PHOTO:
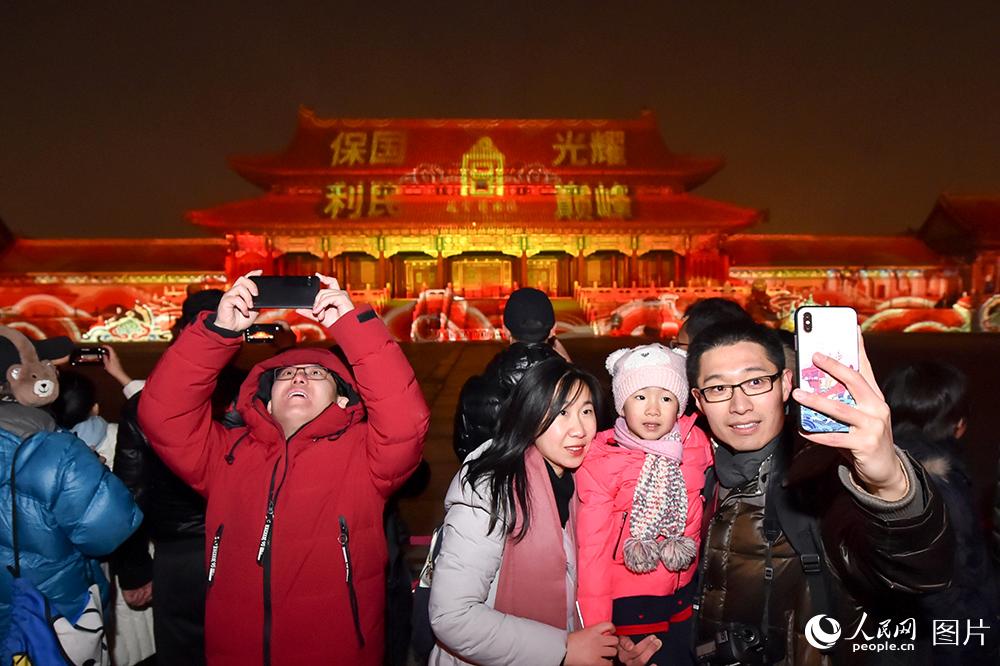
(752, 386)
(310, 372)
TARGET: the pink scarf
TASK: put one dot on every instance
(669, 446)
(532, 581)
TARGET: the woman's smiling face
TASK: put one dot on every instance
(567, 440)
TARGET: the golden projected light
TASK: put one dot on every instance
(482, 170)
(349, 148)
(388, 147)
(344, 200)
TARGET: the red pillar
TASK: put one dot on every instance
(523, 272)
(345, 281)
(380, 273)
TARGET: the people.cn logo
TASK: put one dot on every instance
(817, 634)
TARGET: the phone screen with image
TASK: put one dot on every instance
(832, 331)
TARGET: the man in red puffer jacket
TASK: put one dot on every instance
(295, 550)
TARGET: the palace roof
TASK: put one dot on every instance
(963, 224)
(323, 150)
(806, 251)
(415, 175)
(292, 213)
(28, 256)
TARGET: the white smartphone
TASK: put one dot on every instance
(833, 331)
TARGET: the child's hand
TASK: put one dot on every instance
(113, 365)
(637, 654)
(592, 646)
(330, 305)
(140, 597)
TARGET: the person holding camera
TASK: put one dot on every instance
(294, 543)
(796, 530)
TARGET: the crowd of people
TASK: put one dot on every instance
(243, 516)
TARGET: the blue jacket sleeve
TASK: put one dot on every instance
(93, 507)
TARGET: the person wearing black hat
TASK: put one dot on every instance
(530, 320)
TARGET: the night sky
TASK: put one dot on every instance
(837, 117)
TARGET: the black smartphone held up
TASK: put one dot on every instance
(285, 291)
(833, 331)
(87, 356)
(261, 334)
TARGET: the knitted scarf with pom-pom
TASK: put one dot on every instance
(659, 504)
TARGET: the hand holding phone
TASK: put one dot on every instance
(868, 436)
(87, 356)
(235, 311)
(331, 303)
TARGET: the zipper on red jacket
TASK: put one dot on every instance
(214, 560)
(264, 551)
(344, 538)
(621, 531)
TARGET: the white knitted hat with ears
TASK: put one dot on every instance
(648, 365)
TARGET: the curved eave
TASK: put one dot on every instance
(283, 213)
(761, 250)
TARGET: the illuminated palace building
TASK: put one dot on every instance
(435, 221)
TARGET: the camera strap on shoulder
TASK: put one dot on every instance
(802, 532)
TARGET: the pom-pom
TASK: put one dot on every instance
(641, 555)
(677, 553)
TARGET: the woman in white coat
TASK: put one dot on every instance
(504, 586)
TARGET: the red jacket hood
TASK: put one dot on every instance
(330, 424)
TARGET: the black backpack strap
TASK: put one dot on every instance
(772, 530)
(802, 531)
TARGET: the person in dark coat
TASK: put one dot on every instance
(930, 411)
(529, 318)
(845, 518)
(174, 580)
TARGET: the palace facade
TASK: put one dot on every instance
(441, 219)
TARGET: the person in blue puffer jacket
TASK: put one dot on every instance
(70, 508)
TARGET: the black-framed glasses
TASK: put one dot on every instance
(752, 386)
(310, 372)
(677, 344)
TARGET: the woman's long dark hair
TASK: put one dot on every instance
(545, 389)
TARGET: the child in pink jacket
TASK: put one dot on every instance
(640, 515)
